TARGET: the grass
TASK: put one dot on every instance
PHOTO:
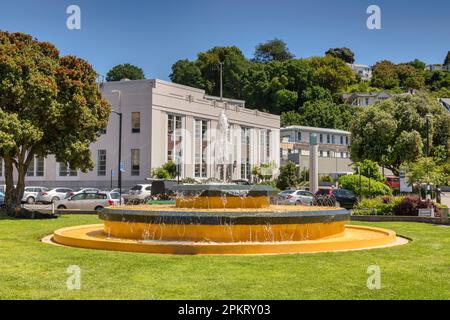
(30, 269)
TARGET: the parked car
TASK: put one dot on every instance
(52, 195)
(89, 201)
(2, 199)
(30, 194)
(139, 193)
(296, 197)
(335, 197)
(393, 182)
(81, 190)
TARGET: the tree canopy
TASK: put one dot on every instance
(48, 105)
(394, 131)
(125, 71)
(272, 50)
(345, 54)
(447, 59)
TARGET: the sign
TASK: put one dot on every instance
(404, 186)
(122, 167)
(426, 212)
(113, 173)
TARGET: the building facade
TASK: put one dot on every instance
(334, 153)
(365, 72)
(162, 122)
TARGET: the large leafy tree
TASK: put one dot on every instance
(331, 73)
(410, 77)
(125, 71)
(187, 73)
(385, 75)
(345, 54)
(394, 132)
(271, 50)
(48, 105)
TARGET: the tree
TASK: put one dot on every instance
(394, 131)
(288, 176)
(125, 71)
(331, 73)
(291, 118)
(48, 105)
(418, 64)
(271, 50)
(326, 114)
(187, 73)
(345, 54)
(425, 170)
(360, 186)
(385, 75)
(410, 77)
(284, 100)
(369, 169)
(447, 59)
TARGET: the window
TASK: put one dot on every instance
(264, 146)
(333, 139)
(135, 162)
(201, 147)
(65, 171)
(101, 163)
(245, 153)
(321, 138)
(135, 122)
(175, 139)
(328, 139)
(299, 136)
(36, 167)
(342, 139)
(346, 140)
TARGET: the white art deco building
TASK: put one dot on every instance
(162, 121)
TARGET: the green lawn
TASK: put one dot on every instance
(30, 269)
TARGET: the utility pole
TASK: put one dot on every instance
(221, 80)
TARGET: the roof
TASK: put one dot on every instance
(445, 102)
(315, 129)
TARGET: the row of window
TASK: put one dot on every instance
(326, 138)
(322, 153)
(135, 162)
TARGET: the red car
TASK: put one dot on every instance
(393, 182)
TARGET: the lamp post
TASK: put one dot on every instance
(360, 184)
(119, 172)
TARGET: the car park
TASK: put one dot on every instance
(295, 197)
(335, 197)
(139, 193)
(89, 201)
(30, 194)
(52, 195)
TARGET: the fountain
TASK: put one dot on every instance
(224, 219)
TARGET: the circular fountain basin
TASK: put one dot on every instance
(275, 224)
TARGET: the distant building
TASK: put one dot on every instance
(445, 102)
(365, 99)
(334, 153)
(437, 67)
(365, 72)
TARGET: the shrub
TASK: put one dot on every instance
(351, 182)
(288, 176)
(161, 173)
(376, 206)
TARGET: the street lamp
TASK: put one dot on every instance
(221, 80)
(119, 172)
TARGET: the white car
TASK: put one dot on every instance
(30, 194)
(139, 193)
(82, 190)
(52, 195)
(296, 197)
(89, 201)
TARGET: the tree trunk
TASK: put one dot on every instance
(10, 189)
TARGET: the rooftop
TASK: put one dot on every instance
(315, 129)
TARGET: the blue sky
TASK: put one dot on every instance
(154, 34)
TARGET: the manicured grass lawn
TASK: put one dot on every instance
(30, 269)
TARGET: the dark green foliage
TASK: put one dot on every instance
(125, 71)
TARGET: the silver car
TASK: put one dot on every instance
(296, 197)
(81, 190)
(52, 195)
(139, 193)
(30, 194)
(89, 201)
